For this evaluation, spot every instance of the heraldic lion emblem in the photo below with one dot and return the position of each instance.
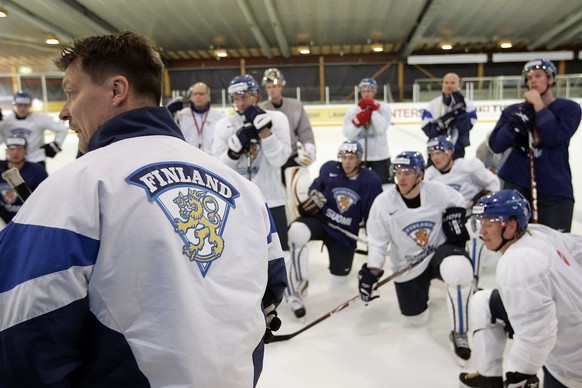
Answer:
(199, 211)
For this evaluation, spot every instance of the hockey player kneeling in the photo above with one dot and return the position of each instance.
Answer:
(340, 198)
(415, 215)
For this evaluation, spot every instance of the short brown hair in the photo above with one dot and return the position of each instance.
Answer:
(128, 54)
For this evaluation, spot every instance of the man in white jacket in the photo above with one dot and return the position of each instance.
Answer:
(538, 302)
(367, 122)
(256, 143)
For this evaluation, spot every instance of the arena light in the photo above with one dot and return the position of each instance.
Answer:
(446, 59)
(377, 47)
(304, 50)
(221, 53)
(446, 46)
(3, 12)
(51, 39)
(528, 56)
(505, 44)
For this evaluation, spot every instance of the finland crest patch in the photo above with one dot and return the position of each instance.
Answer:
(196, 202)
(419, 232)
(345, 198)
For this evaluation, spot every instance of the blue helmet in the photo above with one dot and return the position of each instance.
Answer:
(409, 159)
(368, 83)
(541, 64)
(503, 205)
(22, 98)
(350, 147)
(242, 84)
(439, 143)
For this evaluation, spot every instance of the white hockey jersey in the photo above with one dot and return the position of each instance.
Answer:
(273, 152)
(377, 144)
(467, 176)
(409, 230)
(540, 283)
(198, 128)
(130, 264)
(32, 128)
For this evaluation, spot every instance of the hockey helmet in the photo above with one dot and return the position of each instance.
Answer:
(538, 64)
(350, 147)
(16, 141)
(22, 98)
(503, 205)
(439, 143)
(368, 83)
(242, 84)
(410, 160)
(273, 75)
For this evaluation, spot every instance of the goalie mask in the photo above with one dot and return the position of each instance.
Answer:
(273, 75)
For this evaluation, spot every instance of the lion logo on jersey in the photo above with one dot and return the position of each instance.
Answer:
(419, 232)
(345, 198)
(197, 203)
(200, 212)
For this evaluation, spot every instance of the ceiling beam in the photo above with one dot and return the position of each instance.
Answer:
(565, 37)
(278, 28)
(37, 21)
(254, 27)
(89, 18)
(548, 35)
(430, 11)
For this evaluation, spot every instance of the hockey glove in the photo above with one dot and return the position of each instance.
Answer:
(362, 118)
(368, 104)
(520, 380)
(454, 226)
(241, 141)
(366, 283)
(305, 154)
(313, 204)
(446, 121)
(522, 120)
(458, 100)
(51, 149)
(257, 117)
(273, 323)
(175, 105)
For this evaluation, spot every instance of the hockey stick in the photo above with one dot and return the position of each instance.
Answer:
(347, 233)
(15, 180)
(413, 262)
(533, 184)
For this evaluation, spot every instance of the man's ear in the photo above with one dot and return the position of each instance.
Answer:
(120, 88)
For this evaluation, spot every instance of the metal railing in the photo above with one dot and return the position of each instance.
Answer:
(496, 88)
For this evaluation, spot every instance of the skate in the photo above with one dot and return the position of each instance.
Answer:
(296, 305)
(470, 380)
(460, 347)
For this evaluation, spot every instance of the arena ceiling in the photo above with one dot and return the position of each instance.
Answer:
(189, 32)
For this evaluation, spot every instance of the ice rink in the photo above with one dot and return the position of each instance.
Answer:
(366, 346)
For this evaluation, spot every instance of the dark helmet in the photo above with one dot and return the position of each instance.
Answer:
(439, 143)
(541, 64)
(503, 205)
(242, 84)
(409, 159)
(350, 147)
